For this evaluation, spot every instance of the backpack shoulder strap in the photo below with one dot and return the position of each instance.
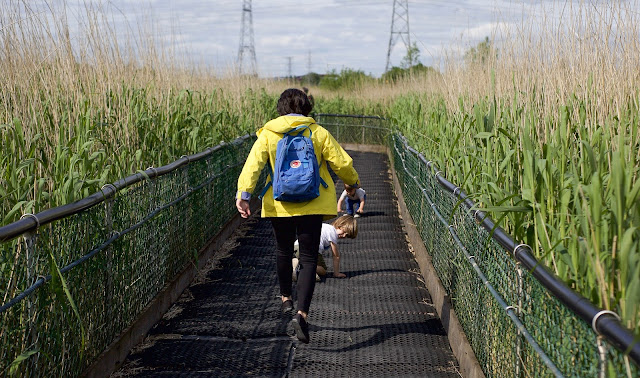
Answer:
(299, 130)
(266, 187)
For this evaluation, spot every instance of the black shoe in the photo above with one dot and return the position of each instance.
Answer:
(287, 306)
(301, 327)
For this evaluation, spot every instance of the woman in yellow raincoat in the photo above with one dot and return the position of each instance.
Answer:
(295, 220)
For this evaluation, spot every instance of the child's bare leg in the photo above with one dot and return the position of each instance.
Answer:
(321, 271)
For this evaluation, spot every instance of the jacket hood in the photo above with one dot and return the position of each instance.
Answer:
(286, 123)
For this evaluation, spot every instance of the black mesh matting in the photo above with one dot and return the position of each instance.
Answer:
(379, 321)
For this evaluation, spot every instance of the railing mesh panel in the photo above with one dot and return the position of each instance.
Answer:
(355, 129)
(157, 227)
(566, 339)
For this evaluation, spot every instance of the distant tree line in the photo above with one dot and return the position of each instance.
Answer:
(410, 65)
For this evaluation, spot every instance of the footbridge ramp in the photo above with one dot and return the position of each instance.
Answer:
(379, 321)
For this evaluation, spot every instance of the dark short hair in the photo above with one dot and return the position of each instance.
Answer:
(294, 100)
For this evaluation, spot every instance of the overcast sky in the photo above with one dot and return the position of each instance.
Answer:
(298, 36)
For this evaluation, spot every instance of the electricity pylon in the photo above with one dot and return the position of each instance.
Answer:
(246, 40)
(399, 27)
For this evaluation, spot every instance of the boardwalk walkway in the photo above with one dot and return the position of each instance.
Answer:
(378, 321)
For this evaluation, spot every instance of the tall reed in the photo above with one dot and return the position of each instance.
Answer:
(77, 111)
(544, 135)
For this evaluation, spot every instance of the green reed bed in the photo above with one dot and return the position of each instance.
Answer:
(48, 161)
(563, 184)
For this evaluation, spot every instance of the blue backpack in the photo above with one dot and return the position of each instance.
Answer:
(296, 177)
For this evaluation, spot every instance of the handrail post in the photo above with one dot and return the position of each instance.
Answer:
(188, 215)
(520, 293)
(32, 277)
(108, 289)
(602, 357)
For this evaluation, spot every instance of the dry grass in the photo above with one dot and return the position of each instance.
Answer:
(593, 48)
(42, 62)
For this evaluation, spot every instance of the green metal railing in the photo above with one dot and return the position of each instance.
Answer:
(355, 129)
(73, 278)
(520, 319)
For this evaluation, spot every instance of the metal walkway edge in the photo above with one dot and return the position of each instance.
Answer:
(379, 321)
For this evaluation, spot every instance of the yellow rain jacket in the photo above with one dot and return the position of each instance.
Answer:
(326, 149)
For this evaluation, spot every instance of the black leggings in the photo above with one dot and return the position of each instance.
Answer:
(307, 229)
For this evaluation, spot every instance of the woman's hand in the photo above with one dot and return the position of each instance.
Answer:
(243, 208)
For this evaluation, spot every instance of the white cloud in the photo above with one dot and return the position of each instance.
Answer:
(338, 33)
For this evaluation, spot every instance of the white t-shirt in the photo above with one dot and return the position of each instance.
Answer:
(359, 194)
(327, 236)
